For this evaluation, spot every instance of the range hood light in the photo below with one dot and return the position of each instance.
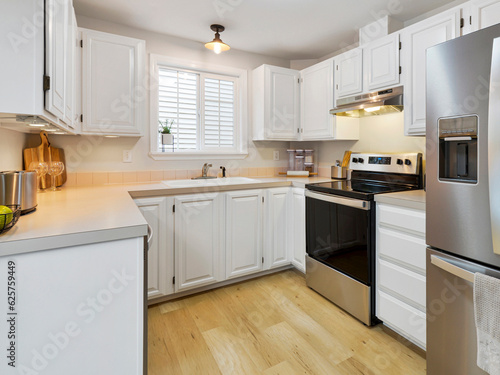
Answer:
(371, 104)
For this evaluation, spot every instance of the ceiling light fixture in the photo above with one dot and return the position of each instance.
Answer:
(217, 45)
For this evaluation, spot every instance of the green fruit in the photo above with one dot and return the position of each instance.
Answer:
(5, 216)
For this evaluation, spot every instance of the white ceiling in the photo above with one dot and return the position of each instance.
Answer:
(290, 29)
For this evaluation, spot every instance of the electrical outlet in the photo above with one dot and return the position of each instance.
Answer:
(276, 155)
(127, 156)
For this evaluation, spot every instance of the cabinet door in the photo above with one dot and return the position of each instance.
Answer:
(160, 252)
(198, 254)
(349, 73)
(112, 84)
(484, 13)
(276, 253)
(69, 109)
(56, 55)
(283, 99)
(415, 41)
(382, 62)
(243, 232)
(298, 229)
(316, 101)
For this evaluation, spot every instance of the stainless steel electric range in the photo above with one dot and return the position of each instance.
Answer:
(340, 228)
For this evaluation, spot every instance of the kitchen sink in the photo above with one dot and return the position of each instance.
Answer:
(210, 182)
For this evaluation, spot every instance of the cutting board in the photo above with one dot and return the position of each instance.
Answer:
(46, 153)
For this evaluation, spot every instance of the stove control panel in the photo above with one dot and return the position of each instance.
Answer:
(389, 163)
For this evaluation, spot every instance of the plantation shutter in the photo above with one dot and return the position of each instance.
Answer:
(219, 113)
(178, 100)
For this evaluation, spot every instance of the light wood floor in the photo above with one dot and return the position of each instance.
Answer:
(271, 325)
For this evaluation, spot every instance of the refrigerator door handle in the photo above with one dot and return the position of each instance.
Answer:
(451, 268)
(493, 149)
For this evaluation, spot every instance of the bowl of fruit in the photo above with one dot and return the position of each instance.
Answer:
(9, 214)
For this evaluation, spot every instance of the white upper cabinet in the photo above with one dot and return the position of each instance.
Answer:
(316, 101)
(481, 14)
(415, 41)
(56, 55)
(243, 232)
(275, 103)
(382, 62)
(113, 91)
(349, 73)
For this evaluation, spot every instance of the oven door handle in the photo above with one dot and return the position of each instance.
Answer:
(355, 203)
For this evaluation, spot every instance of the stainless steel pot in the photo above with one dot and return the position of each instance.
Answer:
(18, 188)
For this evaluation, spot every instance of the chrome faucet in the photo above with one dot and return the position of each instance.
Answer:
(204, 170)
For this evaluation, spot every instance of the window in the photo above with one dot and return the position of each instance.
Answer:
(207, 107)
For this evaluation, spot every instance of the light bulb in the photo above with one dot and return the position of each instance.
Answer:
(372, 109)
(217, 48)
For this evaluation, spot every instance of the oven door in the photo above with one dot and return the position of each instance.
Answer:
(338, 234)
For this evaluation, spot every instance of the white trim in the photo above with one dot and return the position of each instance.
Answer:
(240, 151)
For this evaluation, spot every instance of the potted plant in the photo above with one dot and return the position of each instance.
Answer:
(165, 127)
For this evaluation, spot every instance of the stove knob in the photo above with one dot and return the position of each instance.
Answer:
(354, 160)
(361, 160)
(399, 161)
(407, 161)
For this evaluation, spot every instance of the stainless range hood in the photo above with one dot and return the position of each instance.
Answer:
(371, 104)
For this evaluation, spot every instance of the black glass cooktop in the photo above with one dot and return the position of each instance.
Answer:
(356, 188)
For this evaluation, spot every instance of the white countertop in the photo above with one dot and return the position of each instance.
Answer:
(83, 215)
(409, 199)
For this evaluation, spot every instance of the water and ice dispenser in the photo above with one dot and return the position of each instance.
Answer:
(458, 149)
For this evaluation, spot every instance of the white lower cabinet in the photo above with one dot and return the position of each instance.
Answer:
(297, 227)
(243, 232)
(276, 252)
(199, 255)
(203, 239)
(160, 252)
(400, 284)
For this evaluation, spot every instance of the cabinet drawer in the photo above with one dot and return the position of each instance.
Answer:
(402, 247)
(404, 319)
(404, 282)
(406, 218)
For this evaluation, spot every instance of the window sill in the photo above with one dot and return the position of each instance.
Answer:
(197, 156)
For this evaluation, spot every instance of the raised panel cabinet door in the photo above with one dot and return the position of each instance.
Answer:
(160, 252)
(198, 246)
(243, 232)
(349, 73)
(113, 90)
(298, 229)
(382, 62)
(56, 55)
(415, 41)
(484, 13)
(316, 101)
(71, 73)
(282, 115)
(276, 220)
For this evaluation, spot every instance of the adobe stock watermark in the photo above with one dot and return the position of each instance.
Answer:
(29, 28)
(224, 6)
(87, 311)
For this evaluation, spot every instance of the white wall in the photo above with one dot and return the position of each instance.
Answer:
(85, 154)
(12, 144)
(377, 134)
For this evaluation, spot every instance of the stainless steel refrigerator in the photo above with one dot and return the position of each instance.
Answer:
(463, 192)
